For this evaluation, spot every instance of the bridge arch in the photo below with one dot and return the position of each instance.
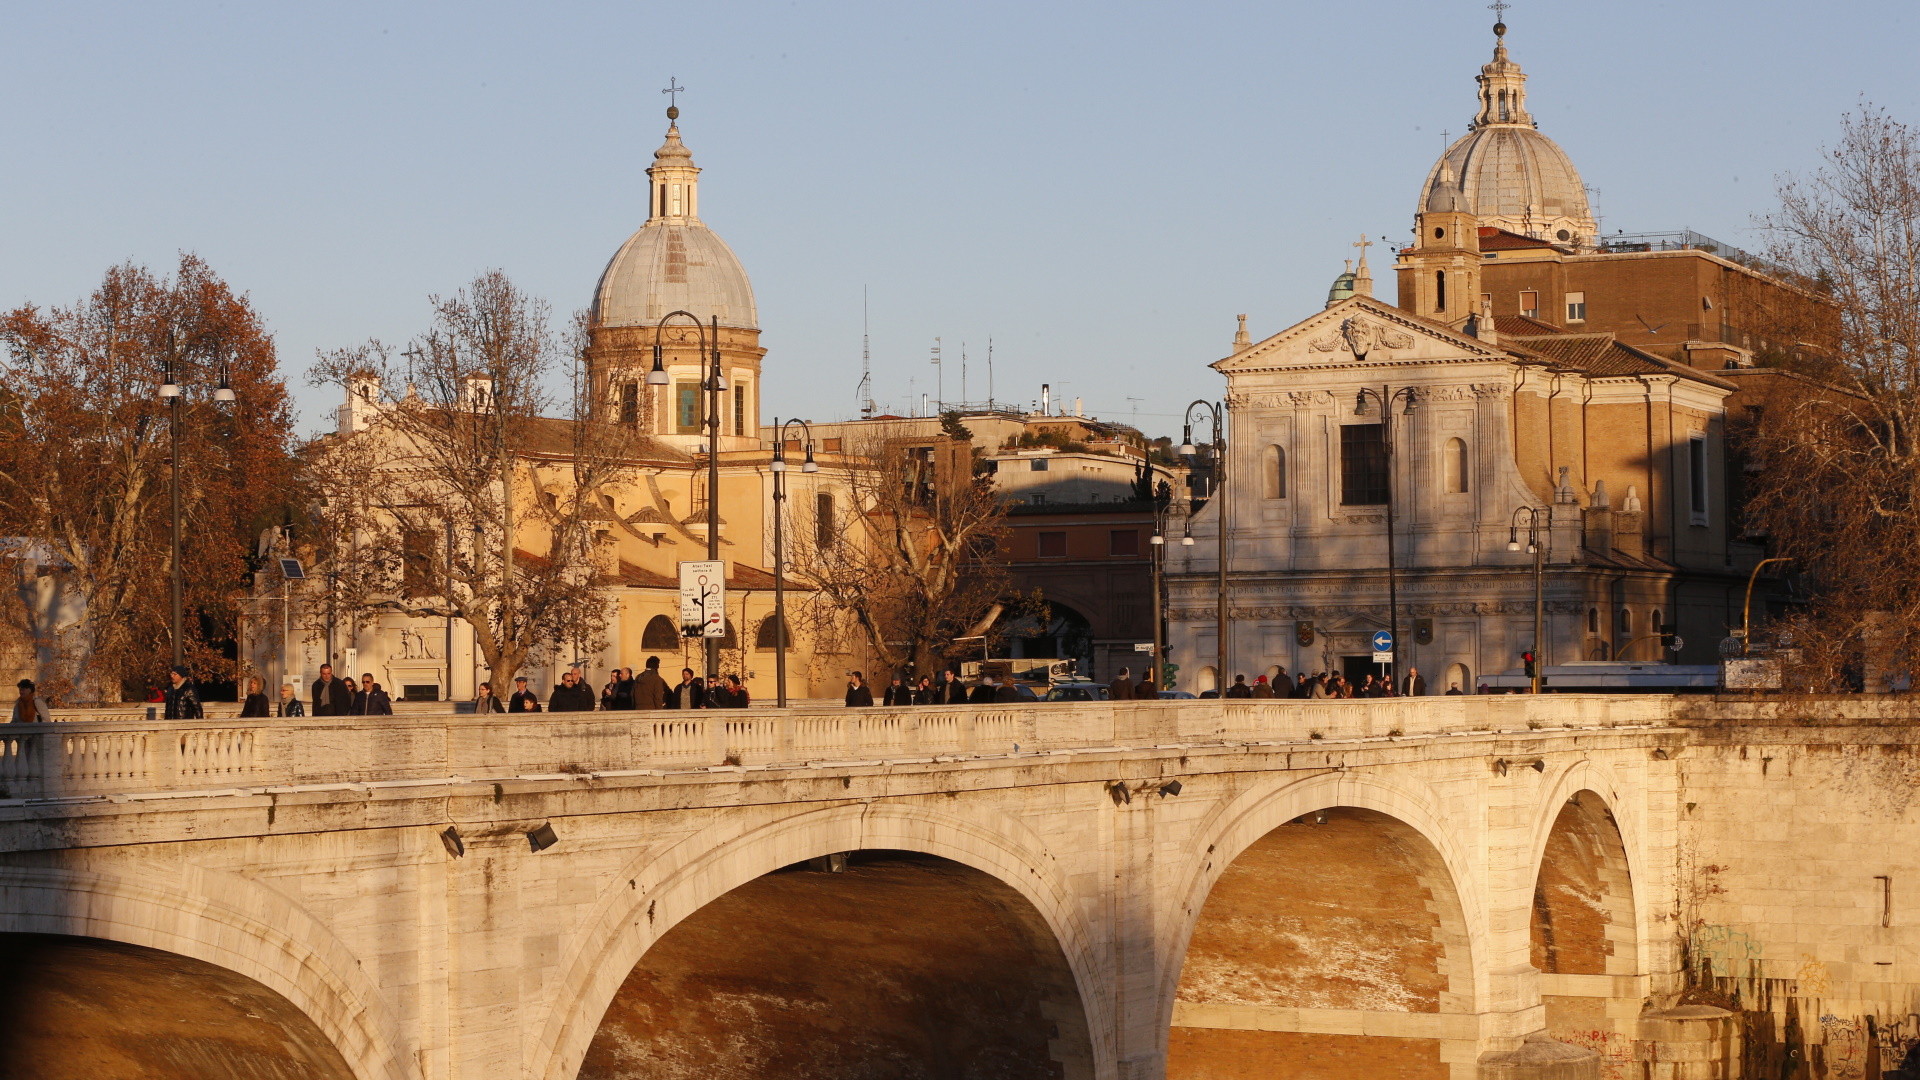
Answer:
(1598, 791)
(1405, 815)
(228, 921)
(668, 886)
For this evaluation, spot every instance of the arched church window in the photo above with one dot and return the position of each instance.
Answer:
(630, 403)
(769, 636)
(1453, 466)
(1593, 620)
(1274, 473)
(660, 634)
(1626, 621)
(1439, 290)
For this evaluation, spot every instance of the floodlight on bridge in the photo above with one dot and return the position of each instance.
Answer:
(1171, 787)
(450, 839)
(543, 837)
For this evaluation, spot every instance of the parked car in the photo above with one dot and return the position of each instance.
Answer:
(1175, 695)
(1077, 691)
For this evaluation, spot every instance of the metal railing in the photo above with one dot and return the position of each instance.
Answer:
(1682, 240)
(113, 758)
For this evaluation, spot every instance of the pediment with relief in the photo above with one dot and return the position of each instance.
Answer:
(1361, 330)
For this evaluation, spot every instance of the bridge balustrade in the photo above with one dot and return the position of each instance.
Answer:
(129, 756)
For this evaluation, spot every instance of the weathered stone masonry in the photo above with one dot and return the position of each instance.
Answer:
(1488, 872)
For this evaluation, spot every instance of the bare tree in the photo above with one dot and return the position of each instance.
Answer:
(914, 562)
(1839, 487)
(84, 467)
(459, 498)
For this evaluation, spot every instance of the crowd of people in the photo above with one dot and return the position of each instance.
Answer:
(622, 691)
(649, 690)
(1332, 684)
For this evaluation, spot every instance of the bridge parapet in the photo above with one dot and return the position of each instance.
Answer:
(114, 757)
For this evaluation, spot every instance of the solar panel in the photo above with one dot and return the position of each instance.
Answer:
(292, 570)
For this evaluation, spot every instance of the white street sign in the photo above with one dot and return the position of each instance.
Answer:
(1143, 647)
(703, 599)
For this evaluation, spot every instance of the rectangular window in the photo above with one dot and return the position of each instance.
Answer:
(630, 403)
(1053, 545)
(739, 409)
(1576, 307)
(686, 408)
(1530, 303)
(823, 520)
(1363, 465)
(416, 568)
(831, 446)
(1123, 542)
(1697, 478)
(1038, 464)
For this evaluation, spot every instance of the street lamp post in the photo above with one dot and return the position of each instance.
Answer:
(1537, 549)
(1386, 397)
(1218, 414)
(1159, 554)
(170, 392)
(715, 384)
(779, 468)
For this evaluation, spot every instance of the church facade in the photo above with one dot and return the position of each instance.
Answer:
(1404, 452)
(672, 296)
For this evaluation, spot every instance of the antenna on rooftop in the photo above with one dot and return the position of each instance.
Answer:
(939, 376)
(963, 374)
(989, 374)
(865, 393)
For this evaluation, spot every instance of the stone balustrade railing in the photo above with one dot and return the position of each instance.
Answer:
(104, 758)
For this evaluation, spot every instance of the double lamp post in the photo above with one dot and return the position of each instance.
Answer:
(171, 393)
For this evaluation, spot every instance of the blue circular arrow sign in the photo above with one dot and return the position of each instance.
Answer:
(1383, 641)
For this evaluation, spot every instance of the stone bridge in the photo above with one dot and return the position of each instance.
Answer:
(1419, 888)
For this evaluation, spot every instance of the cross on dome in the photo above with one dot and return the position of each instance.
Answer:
(673, 92)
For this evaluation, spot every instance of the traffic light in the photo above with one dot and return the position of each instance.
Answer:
(1172, 671)
(1533, 668)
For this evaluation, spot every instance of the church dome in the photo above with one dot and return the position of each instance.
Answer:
(674, 262)
(1505, 172)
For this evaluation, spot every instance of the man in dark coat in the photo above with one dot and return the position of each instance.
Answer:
(690, 694)
(1121, 688)
(858, 695)
(623, 689)
(183, 700)
(1239, 689)
(523, 699)
(571, 695)
(952, 690)
(1145, 690)
(896, 693)
(331, 697)
(1006, 693)
(650, 690)
(1413, 684)
(982, 694)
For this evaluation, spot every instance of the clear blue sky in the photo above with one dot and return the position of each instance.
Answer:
(1100, 187)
